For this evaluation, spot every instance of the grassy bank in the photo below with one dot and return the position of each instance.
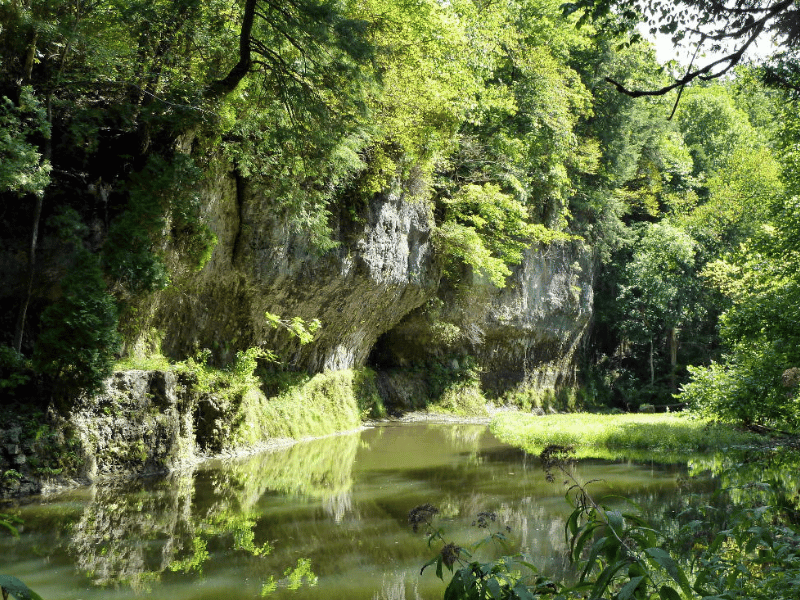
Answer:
(310, 406)
(665, 436)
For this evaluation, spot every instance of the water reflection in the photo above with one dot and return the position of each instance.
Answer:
(756, 476)
(131, 533)
(319, 469)
(330, 512)
(395, 587)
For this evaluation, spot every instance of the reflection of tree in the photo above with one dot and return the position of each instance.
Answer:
(338, 505)
(756, 476)
(537, 514)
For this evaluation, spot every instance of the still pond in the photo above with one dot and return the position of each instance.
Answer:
(325, 519)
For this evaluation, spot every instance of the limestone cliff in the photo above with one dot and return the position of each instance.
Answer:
(522, 336)
(381, 282)
(382, 268)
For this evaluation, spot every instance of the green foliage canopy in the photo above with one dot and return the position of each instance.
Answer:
(756, 382)
(23, 170)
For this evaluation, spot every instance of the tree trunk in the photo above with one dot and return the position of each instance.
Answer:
(652, 366)
(23, 309)
(30, 56)
(673, 358)
(223, 87)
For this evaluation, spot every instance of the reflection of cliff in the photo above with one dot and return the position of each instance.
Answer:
(129, 534)
(320, 469)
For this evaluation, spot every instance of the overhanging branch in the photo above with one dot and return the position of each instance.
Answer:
(748, 32)
(223, 87)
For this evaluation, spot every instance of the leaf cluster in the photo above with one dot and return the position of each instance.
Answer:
(23, 169)
(489, 231)
(471, 579)
(725, 28)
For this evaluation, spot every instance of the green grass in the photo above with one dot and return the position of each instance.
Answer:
(663, 437)
(463, 400)
(326, 403)
(154, 362)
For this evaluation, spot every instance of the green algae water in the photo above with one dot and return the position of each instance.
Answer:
(325, 519)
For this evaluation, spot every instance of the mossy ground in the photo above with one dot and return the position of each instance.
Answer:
(665, 436)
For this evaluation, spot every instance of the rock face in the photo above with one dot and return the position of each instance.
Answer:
(524, 335)
(534, 327)
(381, 270)
(381, 282)
(141, 424)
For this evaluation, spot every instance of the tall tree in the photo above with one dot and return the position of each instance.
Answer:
(657, 291)
(757, 380)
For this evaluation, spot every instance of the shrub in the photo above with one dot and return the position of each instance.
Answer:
(79, 332)
(13, 370)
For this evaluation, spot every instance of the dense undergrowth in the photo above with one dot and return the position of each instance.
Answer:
(252, 404)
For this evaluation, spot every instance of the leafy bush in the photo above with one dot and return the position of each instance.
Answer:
(23, 170)
(760, 330)
(14, 371)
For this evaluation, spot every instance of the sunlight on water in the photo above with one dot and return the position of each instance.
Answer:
(323, 519)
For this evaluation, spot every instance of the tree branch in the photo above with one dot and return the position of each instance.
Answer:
(223, 87)
(749, 32)
(704, 73)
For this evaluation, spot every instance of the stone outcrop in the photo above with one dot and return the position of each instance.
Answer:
(524, 335)
(141, 424)
(382, 268)
(148, 422)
